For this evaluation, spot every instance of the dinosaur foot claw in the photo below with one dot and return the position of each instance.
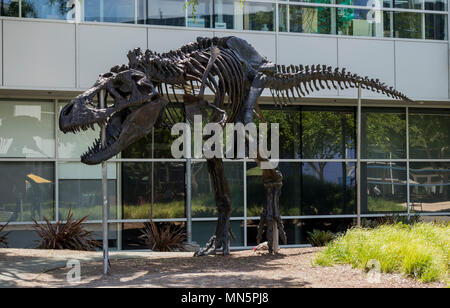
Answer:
(211, 248)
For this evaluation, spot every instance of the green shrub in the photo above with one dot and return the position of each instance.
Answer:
(318, 238)
(420, 251)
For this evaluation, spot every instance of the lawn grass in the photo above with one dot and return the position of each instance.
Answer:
(421, 251)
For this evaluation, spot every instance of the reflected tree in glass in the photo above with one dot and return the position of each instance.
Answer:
(384, 135)
(429, 134)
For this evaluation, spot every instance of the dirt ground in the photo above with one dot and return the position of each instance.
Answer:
(291, 268)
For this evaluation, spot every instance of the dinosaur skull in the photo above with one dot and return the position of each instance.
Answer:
(129, 116)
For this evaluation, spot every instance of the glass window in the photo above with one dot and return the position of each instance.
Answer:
(384, 134)
(357, 22)
(26, 191)
(10, 8)
(429, 134)
(407, 25)
(435, 27)
(430, 187)
(230, 14)
(383, 187)
(80, 190)
(202, 232)
(74, 145)
(201, 17)
(47, 9)
(22, 236)
(297, 231)
(408, 4)
(306, 19)
(368, 3)
(290, 198)
(313, 1)
(162, 12)
(328, 134)
(203, 201)
(289, 126)
(121, 11)
(436, 5)
(27, 129)
(153, 188)
(328, 188)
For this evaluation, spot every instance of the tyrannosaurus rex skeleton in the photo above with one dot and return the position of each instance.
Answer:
(146, 89)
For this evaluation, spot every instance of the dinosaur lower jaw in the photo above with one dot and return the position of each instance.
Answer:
(102, 150)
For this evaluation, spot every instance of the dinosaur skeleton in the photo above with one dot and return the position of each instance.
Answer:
(146, 91)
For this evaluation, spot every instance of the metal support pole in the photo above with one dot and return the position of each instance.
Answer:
(358, 164)
(105, 195)
(188, 156)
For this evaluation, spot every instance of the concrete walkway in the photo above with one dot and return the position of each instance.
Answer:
(18, 264)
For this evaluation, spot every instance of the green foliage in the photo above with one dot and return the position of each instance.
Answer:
(70, 235)
(421, 251)
(194, 4)
(390, 220)
(318, 238)
(166, 237)
(382, 205)
(3, 238)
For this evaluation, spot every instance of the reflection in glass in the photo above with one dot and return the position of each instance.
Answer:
(203, 202)
(162, 12)
(297, 230)
(47, 9)
(328, 188)
(435, 27)
(290, 198)
(383, 187)
(201, 17)
(120, 11)
(202, 232)
(80, 190)
(429, 134)
(436, 5)
(27, 129)
(328, 134)
(305, 19)
(10, 8)
(230, 14)
(384, 134)
(407, 25)
(156, 189)
(358, 22)
(430, 187)
(26, 191)
(408, 4)
(22, 236)
(289, 126)
(74, 145)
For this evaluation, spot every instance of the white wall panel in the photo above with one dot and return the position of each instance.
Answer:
(372, 58)
(39, 54)
(308, 51)
(102, 47)
(422, 69)
(164, 40)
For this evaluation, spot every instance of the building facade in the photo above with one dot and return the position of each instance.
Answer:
(53, 50)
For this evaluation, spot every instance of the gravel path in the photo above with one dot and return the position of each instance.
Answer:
(292, 268)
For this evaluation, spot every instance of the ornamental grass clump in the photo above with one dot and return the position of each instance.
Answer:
(167, 237)
(70, 235)
(421, 251)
